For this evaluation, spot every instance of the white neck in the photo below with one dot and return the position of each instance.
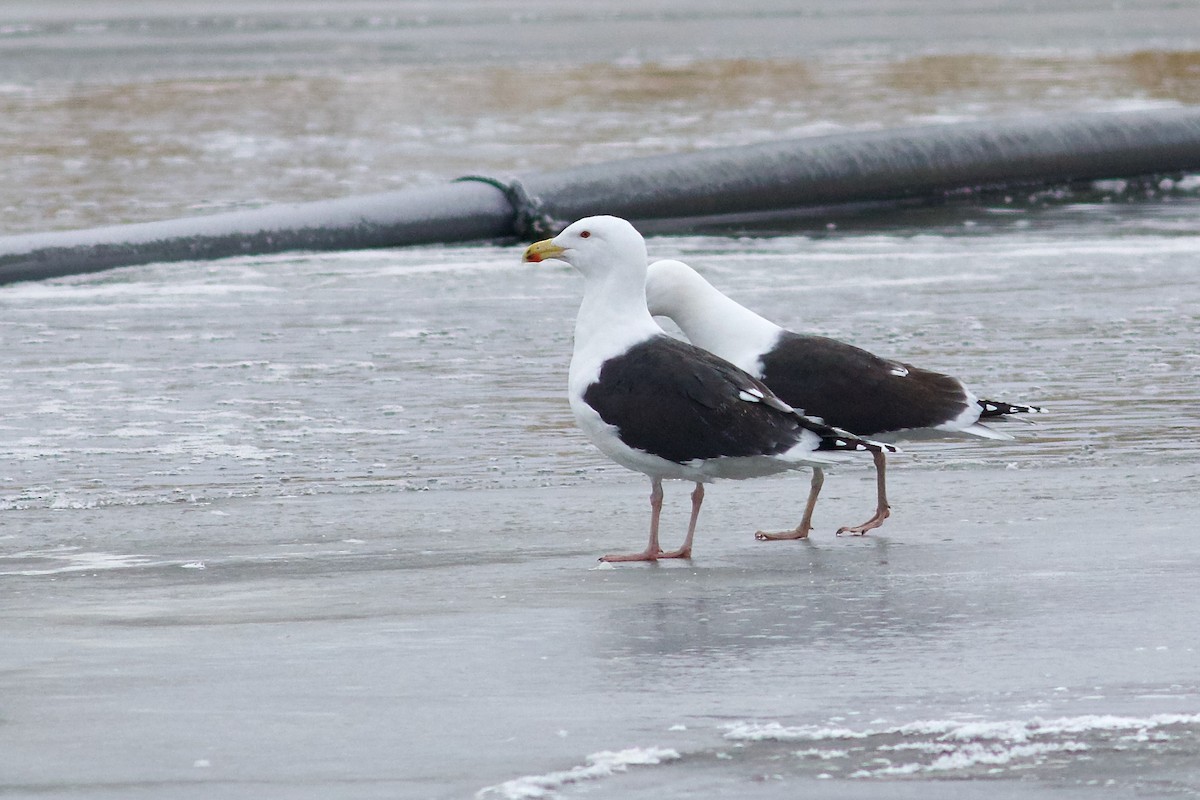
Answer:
(612, 317)
(718, 324)
(611, 304)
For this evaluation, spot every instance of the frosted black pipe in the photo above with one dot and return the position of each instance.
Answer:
(776, 179)
(458, 212)
(731, 185)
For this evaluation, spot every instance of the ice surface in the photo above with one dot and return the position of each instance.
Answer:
(234, 524)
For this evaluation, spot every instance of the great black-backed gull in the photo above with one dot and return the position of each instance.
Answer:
(838, 383)
(663, 407)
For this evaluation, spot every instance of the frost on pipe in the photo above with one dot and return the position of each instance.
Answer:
(457, 212)
(732, 185)
(770, 180)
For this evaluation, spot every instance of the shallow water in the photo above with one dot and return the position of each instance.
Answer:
(313, 525)
(142, 111)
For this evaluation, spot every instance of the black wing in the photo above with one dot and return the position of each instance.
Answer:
(681, 403)
(853, 389)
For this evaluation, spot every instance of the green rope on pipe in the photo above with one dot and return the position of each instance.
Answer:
(530, 221)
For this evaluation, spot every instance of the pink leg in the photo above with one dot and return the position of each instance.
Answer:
(686, 550)
(801, 531)
(882, 509)
(653, 551)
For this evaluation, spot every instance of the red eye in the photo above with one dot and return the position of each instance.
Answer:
(585, 234)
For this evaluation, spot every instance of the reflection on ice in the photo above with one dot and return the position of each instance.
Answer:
(64, 560)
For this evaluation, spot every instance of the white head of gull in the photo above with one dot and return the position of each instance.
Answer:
(843, 385)
(663, 407)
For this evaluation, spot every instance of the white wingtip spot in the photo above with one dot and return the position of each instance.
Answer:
(753, 396)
